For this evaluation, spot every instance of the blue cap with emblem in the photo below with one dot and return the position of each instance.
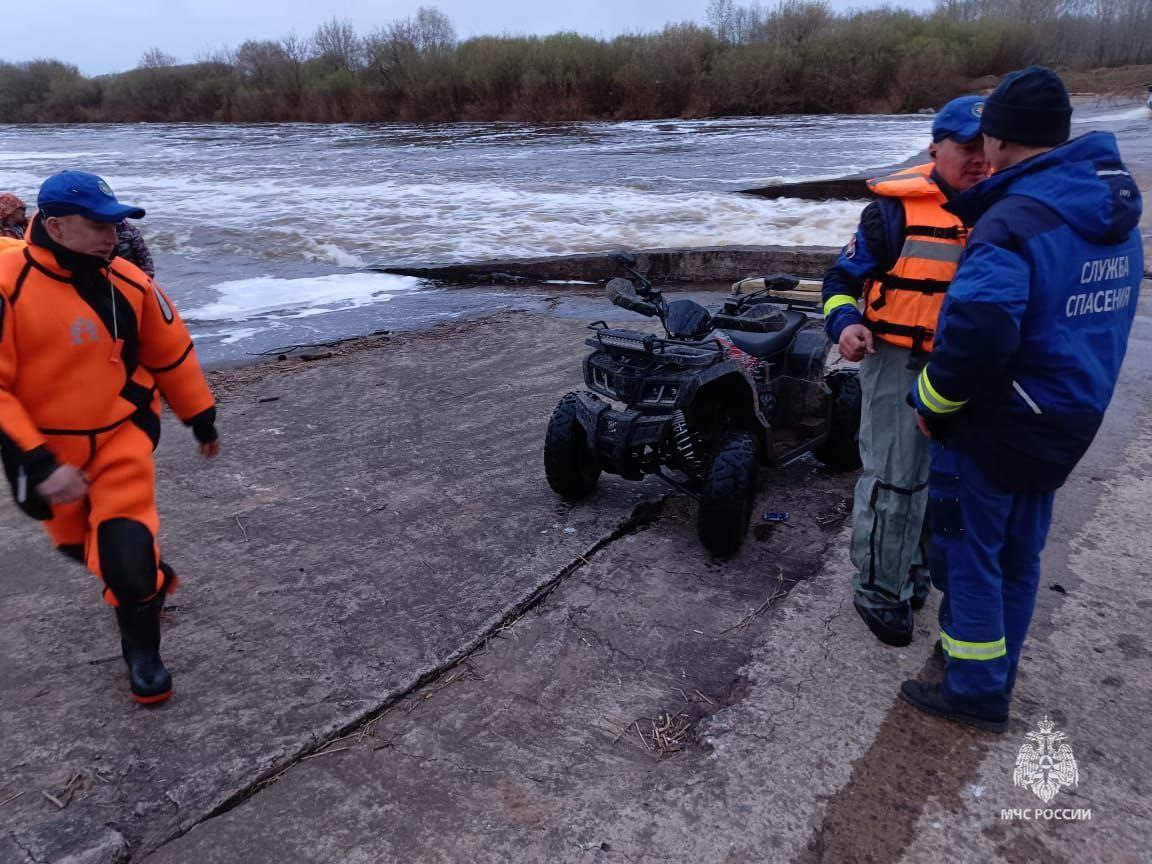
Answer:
(72, 193)
(959, 120)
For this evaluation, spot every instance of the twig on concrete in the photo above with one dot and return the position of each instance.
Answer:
(623, 731)
(324, 753)
(640, 734)
(241, 525)
(10, 799)
(53, 799)
(705, 698)
(670, 733)
(839, 512)
(776, 595)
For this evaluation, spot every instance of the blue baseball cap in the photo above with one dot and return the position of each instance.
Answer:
(71, 193)
(959, 120)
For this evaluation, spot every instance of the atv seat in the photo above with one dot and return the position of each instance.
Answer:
(765, 345)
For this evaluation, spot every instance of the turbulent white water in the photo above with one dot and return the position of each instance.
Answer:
(352, 195)
(258, 230)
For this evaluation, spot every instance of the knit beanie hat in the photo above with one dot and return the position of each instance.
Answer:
(1029, 106)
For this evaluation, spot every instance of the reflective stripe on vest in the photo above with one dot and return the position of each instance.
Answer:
(902, 306)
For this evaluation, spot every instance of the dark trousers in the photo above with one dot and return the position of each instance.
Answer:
(986, 561)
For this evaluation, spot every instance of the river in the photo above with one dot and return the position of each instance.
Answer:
(261, 233)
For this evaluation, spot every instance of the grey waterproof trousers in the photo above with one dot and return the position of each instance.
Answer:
(890, 537)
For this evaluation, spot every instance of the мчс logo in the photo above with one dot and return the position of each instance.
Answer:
(1045, 763)
(84, 330)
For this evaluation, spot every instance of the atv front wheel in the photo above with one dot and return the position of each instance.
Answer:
(841, 452)
(729, 493)
(569, 464)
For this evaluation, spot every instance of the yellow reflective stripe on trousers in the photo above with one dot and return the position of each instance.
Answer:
(935, 403)
(836, 301)
(958, 650)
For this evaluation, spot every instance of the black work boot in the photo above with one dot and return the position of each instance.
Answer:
(892, 625)
(140, 642)
(929, 699)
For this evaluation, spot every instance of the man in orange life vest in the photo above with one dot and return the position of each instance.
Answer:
(88, 346)
(881, 301)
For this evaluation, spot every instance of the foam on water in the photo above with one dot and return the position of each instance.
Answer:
(270, 298)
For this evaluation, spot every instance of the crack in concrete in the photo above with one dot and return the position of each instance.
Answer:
(606, 642)
(27, 852)
(644, 514)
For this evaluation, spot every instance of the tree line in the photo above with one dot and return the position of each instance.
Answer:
(798, 56)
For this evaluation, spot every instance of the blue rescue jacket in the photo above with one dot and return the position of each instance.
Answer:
(1036, 322)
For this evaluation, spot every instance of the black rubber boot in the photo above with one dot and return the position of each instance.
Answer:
(929, 699)
(892, 625)
(140, 642)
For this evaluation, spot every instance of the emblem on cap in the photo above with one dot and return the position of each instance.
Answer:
(104, 187)
(978, 109)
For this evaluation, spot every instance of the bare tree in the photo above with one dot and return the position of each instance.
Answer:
(720, 16)
(154, 58)
(338, 45)
(433, 31)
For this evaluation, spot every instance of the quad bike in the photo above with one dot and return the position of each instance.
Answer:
(706, 404)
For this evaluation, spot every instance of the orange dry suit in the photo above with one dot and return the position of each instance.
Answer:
(87, 348)
(901, 307)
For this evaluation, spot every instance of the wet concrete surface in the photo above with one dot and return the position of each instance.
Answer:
(392, 646)
(360, 532)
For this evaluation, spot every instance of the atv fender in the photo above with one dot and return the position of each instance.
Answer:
(732, 396)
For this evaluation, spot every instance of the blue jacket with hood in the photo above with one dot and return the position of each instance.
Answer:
(1036, 322)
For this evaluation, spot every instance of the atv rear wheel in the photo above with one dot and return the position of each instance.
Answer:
(729, 493)
(569, 464)
(841, 452)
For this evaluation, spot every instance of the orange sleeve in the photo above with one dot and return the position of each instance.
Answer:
(166, 350)
(15, 424)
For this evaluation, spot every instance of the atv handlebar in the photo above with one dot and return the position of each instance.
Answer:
(622, 293)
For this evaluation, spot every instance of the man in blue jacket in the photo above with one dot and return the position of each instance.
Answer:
(1029, 346)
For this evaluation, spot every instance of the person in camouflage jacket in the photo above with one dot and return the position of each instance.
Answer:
(130, 246)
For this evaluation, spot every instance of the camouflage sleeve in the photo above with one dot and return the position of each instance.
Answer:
(141, 257)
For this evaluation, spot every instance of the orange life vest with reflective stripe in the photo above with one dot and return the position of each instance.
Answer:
(901, 307)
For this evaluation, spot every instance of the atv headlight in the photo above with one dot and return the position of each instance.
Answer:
(660, 393)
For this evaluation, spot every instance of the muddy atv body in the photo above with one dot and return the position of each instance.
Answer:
(705, 405)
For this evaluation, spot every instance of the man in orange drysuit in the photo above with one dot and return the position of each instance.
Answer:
(88, 345)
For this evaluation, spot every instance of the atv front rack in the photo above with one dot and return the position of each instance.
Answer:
(613, 340)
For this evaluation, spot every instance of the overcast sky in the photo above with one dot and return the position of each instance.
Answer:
(111, 36)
